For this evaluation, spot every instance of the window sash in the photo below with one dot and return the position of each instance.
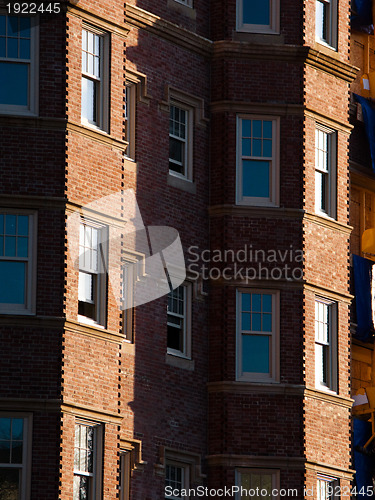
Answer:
(265, 362)
(325, 342)
(180, 140)
(24, 466)
(25, 88)
(257, 167)
(244, 23)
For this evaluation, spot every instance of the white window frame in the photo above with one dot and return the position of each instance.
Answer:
(328, 346)
(328, 172)
(33, 62)
(187, 161)
(327, 488)
(185, 352)
(99, 275)
(274, 362)
(29, 306)
(185, 476)
(330, 25)
(130, 118)
(273, 199)
(25, 467)
(96, 474)
(275, 479)
(273, 27)
(102, 104)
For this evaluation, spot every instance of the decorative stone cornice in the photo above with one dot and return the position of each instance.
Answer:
(286, 53)
(256, 212)
(119, 29)
(327, 397)
(140, 18)
(93, 331)
(328, 223)
(97, 136)
(88, 412)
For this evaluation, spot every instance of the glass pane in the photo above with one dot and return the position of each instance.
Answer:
(10, 224)
(10, 484)
(2, 47)
(246, 301)
(256, 322)
(12, 48)
(246, 321)
(88, 95)
(25, 49)
(267, 129)
(4, 453)
(257, 129)
(1, 245)
(84, 40)
(76, 458)
(256, 180)
(90, 45)
(267, 148)
(85, 287)
(267, 323)
(25, 27)
(14, 89)
(23, 225)
(2, 25)
(1, 224)
(12, 25)
(84, 61)
(17, 448)
(4, 428)
(246, 147)
(96, 67)
(267, 302)
(174, 338)
(257, 147)
(321, 21)
(17, 428)
(12, 282)
(246, 128)
(96, 44)
(90, 64)
(256, 302)
(176, 149)
(255, 353)
(10, 246)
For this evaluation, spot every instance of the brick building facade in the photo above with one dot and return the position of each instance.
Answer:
(229, 121)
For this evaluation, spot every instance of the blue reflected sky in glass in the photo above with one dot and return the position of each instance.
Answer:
(12, 26)
(255, 12)
(4, 428)
(24, 48)
(10, 224)
(2, 25)
(22, 246)
(14, 84)
(256, 321)
(267, 129)
(23, 225)
(257, 129)
(17, 428)
(12, 282)
(246, 128)
(256, 180)
(246, 301)
(25, 27)
(256, 302)
(10, 246)
(246, 321)
(2, 47)
(267, 302)
(267, 322)
(255, 354)
(12, 48)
